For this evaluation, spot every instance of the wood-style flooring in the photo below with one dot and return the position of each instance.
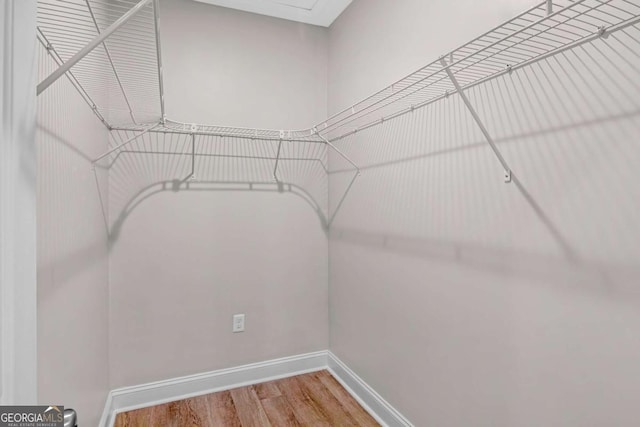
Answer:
(314, 399)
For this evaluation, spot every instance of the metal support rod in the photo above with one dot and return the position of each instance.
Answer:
(193, 159)
(72, 79)
(275, 169)
(334, 148)
(342, 199)
(156, 20)
(549, 7)
(113, 67)
(475, 116)
(89, 47)
(128, 141)
(509, 176)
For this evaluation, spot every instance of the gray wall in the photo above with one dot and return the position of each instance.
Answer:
(182, 262)
(73, 294)
(461, 299)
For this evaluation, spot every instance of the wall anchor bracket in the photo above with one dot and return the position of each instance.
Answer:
(602, 32)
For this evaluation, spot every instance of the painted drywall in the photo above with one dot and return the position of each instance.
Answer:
(184, 260)
(73, 352)
(235, 68)
(463, 300)
(17, 204)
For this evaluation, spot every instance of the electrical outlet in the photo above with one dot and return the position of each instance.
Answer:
(238, 323)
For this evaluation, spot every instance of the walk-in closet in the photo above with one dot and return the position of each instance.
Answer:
(321, 212)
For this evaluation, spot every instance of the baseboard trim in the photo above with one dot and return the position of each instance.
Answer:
(108, 416)
(370, 400)
(156, 393)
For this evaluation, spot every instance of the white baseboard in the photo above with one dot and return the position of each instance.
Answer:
(108, 414)
(366, 396)
(156, 393)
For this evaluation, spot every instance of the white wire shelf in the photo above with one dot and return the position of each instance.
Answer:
(172, 126)
(110, 52)
(128, 64)
(544, 30)
(121, 78)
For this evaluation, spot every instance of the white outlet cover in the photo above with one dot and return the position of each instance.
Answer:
(238, 323)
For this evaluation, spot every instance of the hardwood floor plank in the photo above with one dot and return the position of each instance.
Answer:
(362, 417)
(311, 400)
(175, 414)
(217, 409)
(303, 406)
(279, 412)
(248, 408)
(267, 390)
(325, 401)
(139, 418)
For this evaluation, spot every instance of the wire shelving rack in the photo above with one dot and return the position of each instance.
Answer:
(116, 45)
(546, 29)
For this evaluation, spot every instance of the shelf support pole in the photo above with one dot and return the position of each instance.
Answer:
(193, 156)
(192, 175)
(275, 168)
(90, 46)
(476, 118)
(340, 153)
(353, 180)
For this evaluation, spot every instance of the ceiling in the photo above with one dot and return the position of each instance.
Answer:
(315, 12)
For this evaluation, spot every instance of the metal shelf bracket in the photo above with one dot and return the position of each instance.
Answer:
(275, 169)
(127, 142)
(478, 121)
(334, 148)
